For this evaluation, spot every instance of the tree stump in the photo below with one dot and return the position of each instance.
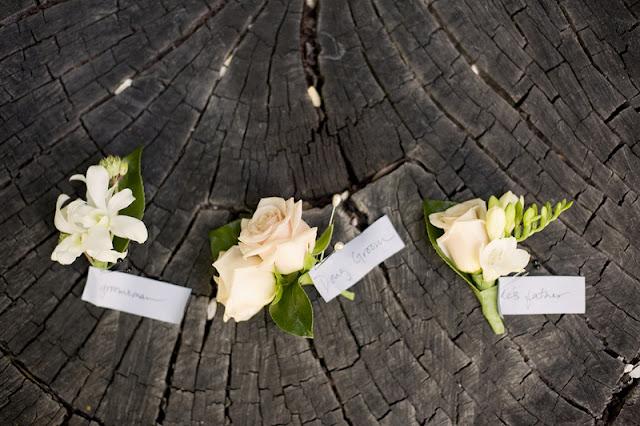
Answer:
(441, 99)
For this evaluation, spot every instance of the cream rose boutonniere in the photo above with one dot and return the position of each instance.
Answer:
(480, 242)
(264, 260)
(101, 226)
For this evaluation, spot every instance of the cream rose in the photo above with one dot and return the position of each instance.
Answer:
(469, 210)
(245, 284)
(463, 242)
(277, 234)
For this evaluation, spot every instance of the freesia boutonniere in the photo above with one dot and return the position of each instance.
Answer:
(479, 241)
(101, 226)
(265, 260)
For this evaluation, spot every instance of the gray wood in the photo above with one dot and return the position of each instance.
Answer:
(551, 112)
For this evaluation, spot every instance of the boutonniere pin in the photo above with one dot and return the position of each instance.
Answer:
(101, 226)
(479, 241)
(265, 260)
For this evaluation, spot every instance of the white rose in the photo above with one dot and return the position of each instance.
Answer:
(501, 257)
(462, 243)
(277, 234)
(245, 284)
(469, 210)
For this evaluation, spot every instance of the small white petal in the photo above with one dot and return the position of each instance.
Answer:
(120, 200)
(98, 238)
(97, 186)
(60, 220)
(68, 250)
(339, 246)
(635, 373)
(81, 178)
(212, 308)
(110, 256)
(129, 227)
(628, 368)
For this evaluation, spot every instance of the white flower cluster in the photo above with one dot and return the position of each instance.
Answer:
(89, 226)
(478, 240)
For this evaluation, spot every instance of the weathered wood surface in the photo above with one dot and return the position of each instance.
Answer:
(445, 99)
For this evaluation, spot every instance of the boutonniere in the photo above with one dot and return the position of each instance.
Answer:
(265, 260)
(101, 226)
(479, 241)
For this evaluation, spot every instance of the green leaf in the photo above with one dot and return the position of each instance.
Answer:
(309, 262)
(223, 238)
(349, 295)
(488, 298)
(293, 312)
(323, 242)
(133, 181)
(305, 279)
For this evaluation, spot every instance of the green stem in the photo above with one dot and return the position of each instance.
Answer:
(487, 294)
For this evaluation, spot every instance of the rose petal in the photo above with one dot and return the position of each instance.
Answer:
(462, 244)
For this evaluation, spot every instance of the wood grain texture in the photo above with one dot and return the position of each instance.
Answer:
(444, 99)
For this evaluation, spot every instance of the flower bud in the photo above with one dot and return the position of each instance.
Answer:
(338, 246)
(510, 212)
(493, 201)
(508, 198)
(336, 200)
(495, 222)
(115, 166)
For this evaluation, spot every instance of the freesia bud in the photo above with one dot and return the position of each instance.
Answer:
(495, 222)
(493, 201)
(508, 198)
(510, 212)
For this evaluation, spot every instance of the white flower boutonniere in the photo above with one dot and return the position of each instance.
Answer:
(481, 244)
(101, 226)
(265, 260)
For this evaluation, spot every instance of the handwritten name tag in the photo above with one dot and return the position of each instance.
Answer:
(136, 295)
(541, 295)
(359, 256)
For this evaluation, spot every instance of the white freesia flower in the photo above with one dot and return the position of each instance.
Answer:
(277, 234)
(91, 224)
(462, 243)
(496, 222)
(501, 257)
(245, 284)
(468, 210)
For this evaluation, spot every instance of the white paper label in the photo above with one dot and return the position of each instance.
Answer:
(359, 256)
(541, 295)
(136, 295)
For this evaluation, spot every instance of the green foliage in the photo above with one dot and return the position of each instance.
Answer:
(133, 181)
(535, 219)
(291, 309)
(223, 238)
(323, 242)
(488, 297)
